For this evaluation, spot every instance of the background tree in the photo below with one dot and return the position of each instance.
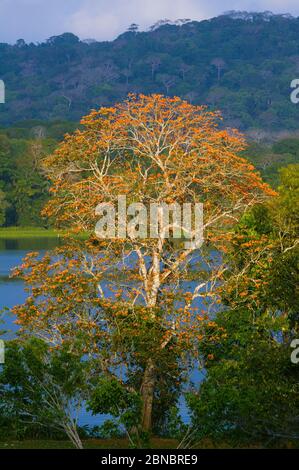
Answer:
(43, 388)
(250, 394)
(154, 62)
(219, 64)
(133, 28)
(3, 207)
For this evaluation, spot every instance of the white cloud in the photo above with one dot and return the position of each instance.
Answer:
(104, 20)
(35, 20)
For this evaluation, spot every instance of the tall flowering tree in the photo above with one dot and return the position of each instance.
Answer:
(140, 300)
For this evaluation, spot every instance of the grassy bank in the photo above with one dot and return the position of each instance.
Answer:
(33, 232)
(28, 232)
(156, 443)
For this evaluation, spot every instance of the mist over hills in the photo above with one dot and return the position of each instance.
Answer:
(241, 63)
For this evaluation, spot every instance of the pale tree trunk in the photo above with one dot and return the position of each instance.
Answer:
(147, 394)
(152, 285)
(149, 375)
(72, 433)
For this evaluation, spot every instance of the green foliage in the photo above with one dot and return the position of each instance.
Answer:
(3, 207)
(266, 244)
(40, 388)
(289, 146)
(176, 428)
(140, 339)
(108, 430)
(251, 389)
(269, 159)
(289, 199)
(23, 186)
(110, 396)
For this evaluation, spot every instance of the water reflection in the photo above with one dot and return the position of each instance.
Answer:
(12, 252)
(29, 244)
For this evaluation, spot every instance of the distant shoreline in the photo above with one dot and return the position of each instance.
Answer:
(28, 232)
(19, 233)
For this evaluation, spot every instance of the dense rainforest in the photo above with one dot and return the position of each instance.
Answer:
(241, 63)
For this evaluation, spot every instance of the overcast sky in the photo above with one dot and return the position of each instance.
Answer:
(36, 20)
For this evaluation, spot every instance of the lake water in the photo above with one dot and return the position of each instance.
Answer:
(11, 290)
(12, 293)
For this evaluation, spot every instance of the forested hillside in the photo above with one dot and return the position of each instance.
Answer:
(239, 62)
